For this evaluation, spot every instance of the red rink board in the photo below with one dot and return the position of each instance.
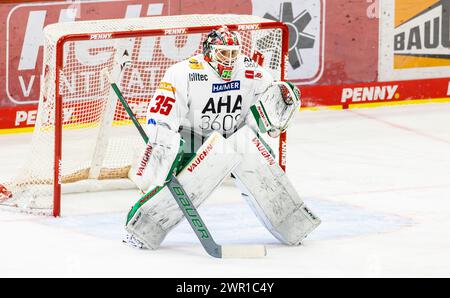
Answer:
(360, 93)
(348, 49)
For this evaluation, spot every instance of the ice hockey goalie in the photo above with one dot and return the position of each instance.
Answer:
(219, 98)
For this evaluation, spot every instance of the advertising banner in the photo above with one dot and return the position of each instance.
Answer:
(23, 39)
(341, 52)
(414, 39)
(344, 96)
(306, 22)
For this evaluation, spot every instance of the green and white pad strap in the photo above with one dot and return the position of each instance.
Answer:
(276, 106)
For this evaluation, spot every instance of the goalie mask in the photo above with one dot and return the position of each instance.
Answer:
(221, 49)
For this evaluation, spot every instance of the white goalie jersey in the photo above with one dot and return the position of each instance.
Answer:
(192, 95)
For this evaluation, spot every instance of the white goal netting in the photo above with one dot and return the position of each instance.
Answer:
(83, 139)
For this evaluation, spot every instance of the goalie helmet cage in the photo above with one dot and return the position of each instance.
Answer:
(83, 140)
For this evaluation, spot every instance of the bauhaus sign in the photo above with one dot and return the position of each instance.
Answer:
(422, 34)
(414, 39)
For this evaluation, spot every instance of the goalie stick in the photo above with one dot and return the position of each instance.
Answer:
(190, 212)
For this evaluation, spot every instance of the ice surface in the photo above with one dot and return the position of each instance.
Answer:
(379, 179)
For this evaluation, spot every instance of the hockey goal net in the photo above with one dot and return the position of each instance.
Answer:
(83, 139)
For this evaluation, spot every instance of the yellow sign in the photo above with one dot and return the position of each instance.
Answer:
(422, 34)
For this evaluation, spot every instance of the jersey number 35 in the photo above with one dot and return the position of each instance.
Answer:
(163, 105)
